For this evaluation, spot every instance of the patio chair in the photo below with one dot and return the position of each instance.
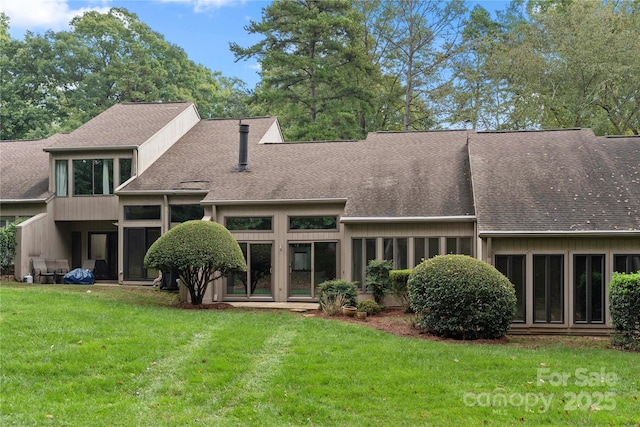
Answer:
(62, 268)
(41, 270)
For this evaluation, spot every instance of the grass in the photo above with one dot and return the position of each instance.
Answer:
(93, 356)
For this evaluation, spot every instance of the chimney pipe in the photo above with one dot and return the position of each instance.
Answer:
(244, 148)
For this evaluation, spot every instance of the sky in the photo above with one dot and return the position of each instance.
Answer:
(203, 28)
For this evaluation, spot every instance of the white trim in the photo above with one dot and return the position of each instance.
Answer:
(271, 201)
(363, 219)
(522, 233)
(157, 192)
(91, 149)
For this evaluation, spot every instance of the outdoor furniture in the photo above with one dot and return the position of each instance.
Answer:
(61, 268)
(40, 270)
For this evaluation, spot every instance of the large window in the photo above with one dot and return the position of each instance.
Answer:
(459, 245)
(548, 288)
(313, 222)
(62, 178)
(92, 177)
(256, 281)
(627, 263)
(137, 242)
(362, 251)
(249, 223)
(588, 285)
(425, 248)
(396, 251)
(309, 265)
(513, 268)
(125, 169)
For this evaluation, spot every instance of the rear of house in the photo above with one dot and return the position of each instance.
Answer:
(556, 211)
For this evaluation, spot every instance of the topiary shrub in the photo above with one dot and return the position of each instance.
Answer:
(624, 305)
(378, 279)
(399, 279)
(460, 297)
(369, 306)
(333, 294)
(200, 252)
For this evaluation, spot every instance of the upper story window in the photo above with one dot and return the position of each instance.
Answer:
(125, 169)
(62, 178)
(329, 222)
(249, 223)
(92, 177)
(182, 213)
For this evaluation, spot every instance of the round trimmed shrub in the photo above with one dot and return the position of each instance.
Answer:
(369, 306)
(460, 297)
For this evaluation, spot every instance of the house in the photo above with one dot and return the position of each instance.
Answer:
(557, 211)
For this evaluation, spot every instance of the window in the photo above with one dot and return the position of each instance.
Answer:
(137, 242)
(548, 288)
(256, 281)
(628, 263)
(588, 284)
(459, 245)
(182, 213)
(249, 223)
(513, 268)
(136, 213)
(92, 177)
(125, 170)
(396, 250)
(425, 248)
(313, 223)
(362, 251)
(62, 178)
(309, 265)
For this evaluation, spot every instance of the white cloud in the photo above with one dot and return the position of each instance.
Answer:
(204, 5)
(44, 14)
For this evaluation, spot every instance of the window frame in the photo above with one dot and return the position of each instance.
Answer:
(319, 217)
(509, 274)
(249, 230)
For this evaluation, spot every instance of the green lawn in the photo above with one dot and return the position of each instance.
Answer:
(95, 356)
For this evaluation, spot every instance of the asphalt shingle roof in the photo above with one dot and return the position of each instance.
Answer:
(126, 124)
(387, 175)
(564, 180)
(24, 169)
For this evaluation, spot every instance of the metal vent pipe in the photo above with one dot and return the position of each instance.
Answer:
(243, 164)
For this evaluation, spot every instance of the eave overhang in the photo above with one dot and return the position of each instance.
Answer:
(407, 219)
(568, 233)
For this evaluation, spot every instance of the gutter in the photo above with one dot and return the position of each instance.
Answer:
(91, 149)
(585, 233)
(273, 201)
(158, 192)
(370, 219)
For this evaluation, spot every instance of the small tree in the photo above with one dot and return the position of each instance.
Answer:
(200, 252)
(378, 281)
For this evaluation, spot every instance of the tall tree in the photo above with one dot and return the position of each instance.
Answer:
(574, 64)
(313, 69)
(421, 36)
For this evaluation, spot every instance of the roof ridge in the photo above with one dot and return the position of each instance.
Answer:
(530, 130)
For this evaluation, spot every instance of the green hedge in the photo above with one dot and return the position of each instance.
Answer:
(460, 297)
(333, 294)
(624, 305)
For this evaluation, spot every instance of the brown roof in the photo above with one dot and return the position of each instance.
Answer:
(125, 124)
(561, 181)
(24, 169)
(387, 175)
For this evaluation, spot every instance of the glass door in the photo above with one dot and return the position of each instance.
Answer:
(309, 265)
(257, 280)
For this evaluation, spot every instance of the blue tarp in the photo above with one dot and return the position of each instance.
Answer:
(78, 277)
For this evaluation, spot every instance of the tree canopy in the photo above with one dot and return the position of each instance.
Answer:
(339, 69)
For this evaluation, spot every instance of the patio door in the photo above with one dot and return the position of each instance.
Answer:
(256, 282)
(309, 265)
